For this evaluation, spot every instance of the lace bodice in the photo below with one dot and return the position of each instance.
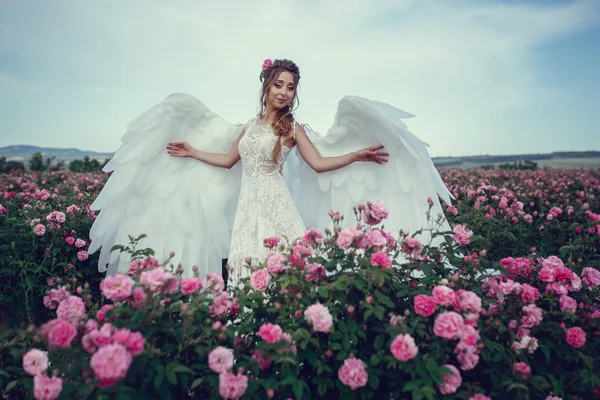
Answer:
(256, 150)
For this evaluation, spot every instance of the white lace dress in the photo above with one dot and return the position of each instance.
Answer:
(265, 207)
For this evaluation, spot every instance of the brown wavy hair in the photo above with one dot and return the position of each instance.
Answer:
(284, 120)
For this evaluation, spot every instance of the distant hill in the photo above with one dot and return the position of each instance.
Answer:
(564, 159)
(24, 153)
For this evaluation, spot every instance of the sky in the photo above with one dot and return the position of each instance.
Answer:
(481, 76)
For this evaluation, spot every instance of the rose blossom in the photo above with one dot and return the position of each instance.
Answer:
(275, 262)
(411, 246)
(117, 287)
(220, 359)
(448, 325)
(60, 333)
(271, 242)
(46, 388)
(443, 295)
(480, 397)
(101, 314)
(111, 362)
(451, 381)
(221, 305)
(376, 239)
(190, 285)
(462, 235)
(403, 347)
(314, 272)
(576, 337)
(552, 262)
(567, 303)
(82, 255)
(260, 280)
(374, 212)
(591, 277)
(469, 302)
(319, 317)
(346, 237)
(71, 309)
(70, 240)
(353, 373)
(312, 237)
(79, 243)
(53, 299)
(103, 336)
(424, 305)
(466, 355)
(270, 333)
(529, 293)
(39, 230)
(533, 316)
(35, 362)
(524, 369)
(155, 279)
(381, 259)
(232, 386)
(214, 282)
(133, 341)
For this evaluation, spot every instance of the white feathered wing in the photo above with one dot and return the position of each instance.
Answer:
(404, 184)
(184, 206)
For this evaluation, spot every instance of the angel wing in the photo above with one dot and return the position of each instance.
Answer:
(404, 184)
(183, 206)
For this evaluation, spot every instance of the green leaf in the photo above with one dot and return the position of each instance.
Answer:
(197, 383)
(374, 360)
(183, 369)
(374, 381)
(322, 389)
(171, 377)
(379, 342)
(412, 385)
(10, 386)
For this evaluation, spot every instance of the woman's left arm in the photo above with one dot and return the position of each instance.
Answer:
(325, 164)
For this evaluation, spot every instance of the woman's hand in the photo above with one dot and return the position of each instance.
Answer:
(180, 149)
(372, 154)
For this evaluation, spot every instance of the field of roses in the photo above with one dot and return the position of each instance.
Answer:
(508, 306)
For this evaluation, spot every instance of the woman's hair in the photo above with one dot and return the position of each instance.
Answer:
(284, 120)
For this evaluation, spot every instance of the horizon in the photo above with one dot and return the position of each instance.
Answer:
(482, 76)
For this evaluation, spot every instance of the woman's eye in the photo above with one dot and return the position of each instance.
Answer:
(278, 86)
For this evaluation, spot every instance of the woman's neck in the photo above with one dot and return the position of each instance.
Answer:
(268, 117)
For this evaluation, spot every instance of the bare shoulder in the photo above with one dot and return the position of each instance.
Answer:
(299, 128)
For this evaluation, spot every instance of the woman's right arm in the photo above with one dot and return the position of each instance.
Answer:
(223, 160)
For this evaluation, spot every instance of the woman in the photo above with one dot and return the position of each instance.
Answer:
(198, 213)
(266, 208)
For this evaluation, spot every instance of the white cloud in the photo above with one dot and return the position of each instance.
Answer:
(452, 63)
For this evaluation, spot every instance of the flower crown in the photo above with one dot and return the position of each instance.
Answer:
(268, 63)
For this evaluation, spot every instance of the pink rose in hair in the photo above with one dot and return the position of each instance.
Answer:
(35, 362)
(268, 63)
(220, 359)
(232, 386)
(403, 347)
(260, 280)
(353, 373)
(451, 381)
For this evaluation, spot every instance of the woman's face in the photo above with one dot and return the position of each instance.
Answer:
(282, 90)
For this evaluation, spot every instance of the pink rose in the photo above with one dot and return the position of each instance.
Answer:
(449, 325)
(480, 397)
(591, 277)
(261, 358)
(469, 302)
(553, 262)
(35, 362)
(270, 333)
(374, 212)
(563, 274)
(403, 347)
(79, 243)
(424, 305)
(271, 242)
(190, 285)
(82, 255)
(111, 362)
(547, 274)
(524, 369)
(133, 341)
(346, 237)
(462, 235)
(275, 262)
(353, 373)
(576, 337)
(220, 359)
(46, 388)
(314, 272)
(469, 335)
(71, 309)
(381, 259)
(55, 296)
(88, 345)
(529, 294)
(214, 282)
(61, 217)
(101, 314)
(376, 239)
(568, 303)
(312, 237)
(103, 336)
(533, 316)
(411, 246)
(268, 63)
(319, 317)
(443, 295)
(155, 279)
(117, 288)
(39, 230)
(260, 280)
(490, 287)
(61, 333)
(221, 305)
(466, 355)
(139, 298)
(451, 381)
(232, 386)
(70, 240)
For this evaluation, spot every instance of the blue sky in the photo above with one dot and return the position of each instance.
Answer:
(482, 77)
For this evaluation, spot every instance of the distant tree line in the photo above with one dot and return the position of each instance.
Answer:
(526, 165)
(40, 162)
